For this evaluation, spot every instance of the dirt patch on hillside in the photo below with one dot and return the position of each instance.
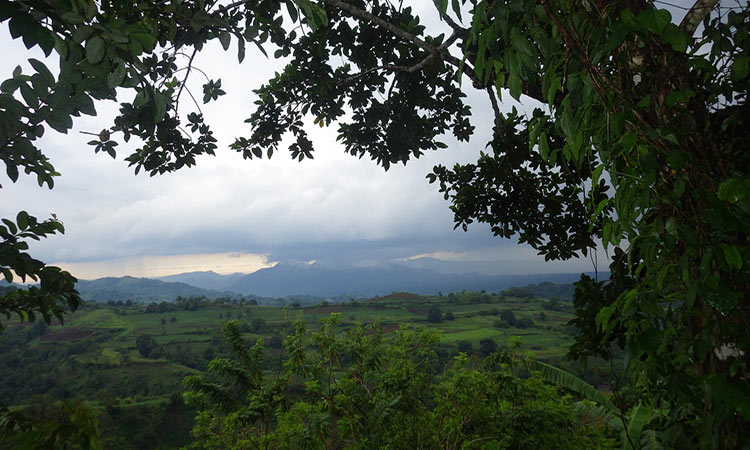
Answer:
(389, 327)
(418, 311)
(65, 335)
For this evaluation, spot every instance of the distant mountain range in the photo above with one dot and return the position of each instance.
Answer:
(289, 279)
(205, 280)
(297, 279)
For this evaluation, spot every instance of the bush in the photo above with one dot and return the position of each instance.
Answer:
(487, 346)
(465, 346)
(434, 315)
(524, 323)
(509, 317)
(145, 344)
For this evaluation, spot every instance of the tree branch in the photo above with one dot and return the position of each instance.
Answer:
(495, 107)
(697, 13)
(356, 12)
(463, 32)
(184, 81)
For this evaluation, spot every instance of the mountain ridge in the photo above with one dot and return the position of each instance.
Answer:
(319, 280)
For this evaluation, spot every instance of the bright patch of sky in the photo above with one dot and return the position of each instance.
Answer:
(335, 209)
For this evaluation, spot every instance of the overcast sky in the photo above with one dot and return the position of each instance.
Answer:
(231, 215)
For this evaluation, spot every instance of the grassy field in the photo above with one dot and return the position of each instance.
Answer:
(94, 355)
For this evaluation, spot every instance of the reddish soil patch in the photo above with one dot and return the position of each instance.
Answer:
(418, 311)
(400, 296)
(389, 327)
(324, 309)
(66, 334)
(558, 319)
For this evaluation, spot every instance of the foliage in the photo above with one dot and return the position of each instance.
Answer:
(434, 315)
(145, 344)
(636, 139)
(55, 291)
(487, 346)
(366, 389)
(594, 404)
(508, 316)
(77, 430)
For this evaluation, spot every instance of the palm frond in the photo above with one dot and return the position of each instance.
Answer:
(568, 381)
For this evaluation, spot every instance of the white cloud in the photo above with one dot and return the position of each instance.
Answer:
(335, 206)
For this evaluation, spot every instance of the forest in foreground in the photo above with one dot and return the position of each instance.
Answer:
(619, 124)
(130, 361)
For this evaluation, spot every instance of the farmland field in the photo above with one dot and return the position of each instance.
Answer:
(95, 355)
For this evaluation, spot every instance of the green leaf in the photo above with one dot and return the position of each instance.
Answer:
(655, 19)
(95, 49)
(597, 173)
(292, 10)
(681, 96)
(59, 121)
(240, 50)
(600, 207)
(571, 382)
(42, 69)
(29, 96)
(115, 77)
(11, 226)
(676, 159)
(741, 67)
(225, 39)
(734, 189)
(543, 146)
(523, 45)
(675, 37)
(732, 256)
(457, 9)
(638, 417)
(22, 219)
(160, 103)
(145, 40)
(442, 6)
(515, 85)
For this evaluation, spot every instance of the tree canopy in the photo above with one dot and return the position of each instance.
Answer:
(635, 137)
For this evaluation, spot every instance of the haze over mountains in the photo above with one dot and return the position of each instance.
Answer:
(295, 278)
(288, 279)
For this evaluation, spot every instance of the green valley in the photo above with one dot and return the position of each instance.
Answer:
(96, 355)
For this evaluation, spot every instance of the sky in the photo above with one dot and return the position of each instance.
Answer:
(232, 215)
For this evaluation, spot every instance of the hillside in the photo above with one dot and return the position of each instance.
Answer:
(286, 279)
(140, 290)
(204, 279)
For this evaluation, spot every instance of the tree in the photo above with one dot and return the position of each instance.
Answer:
(487, 346)
(365, 388)
(145, 344)
(509, 317)
(434, 315)
(636, 138)
(465, 346)
(257, 325)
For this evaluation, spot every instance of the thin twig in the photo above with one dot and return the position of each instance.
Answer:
(184, 80)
